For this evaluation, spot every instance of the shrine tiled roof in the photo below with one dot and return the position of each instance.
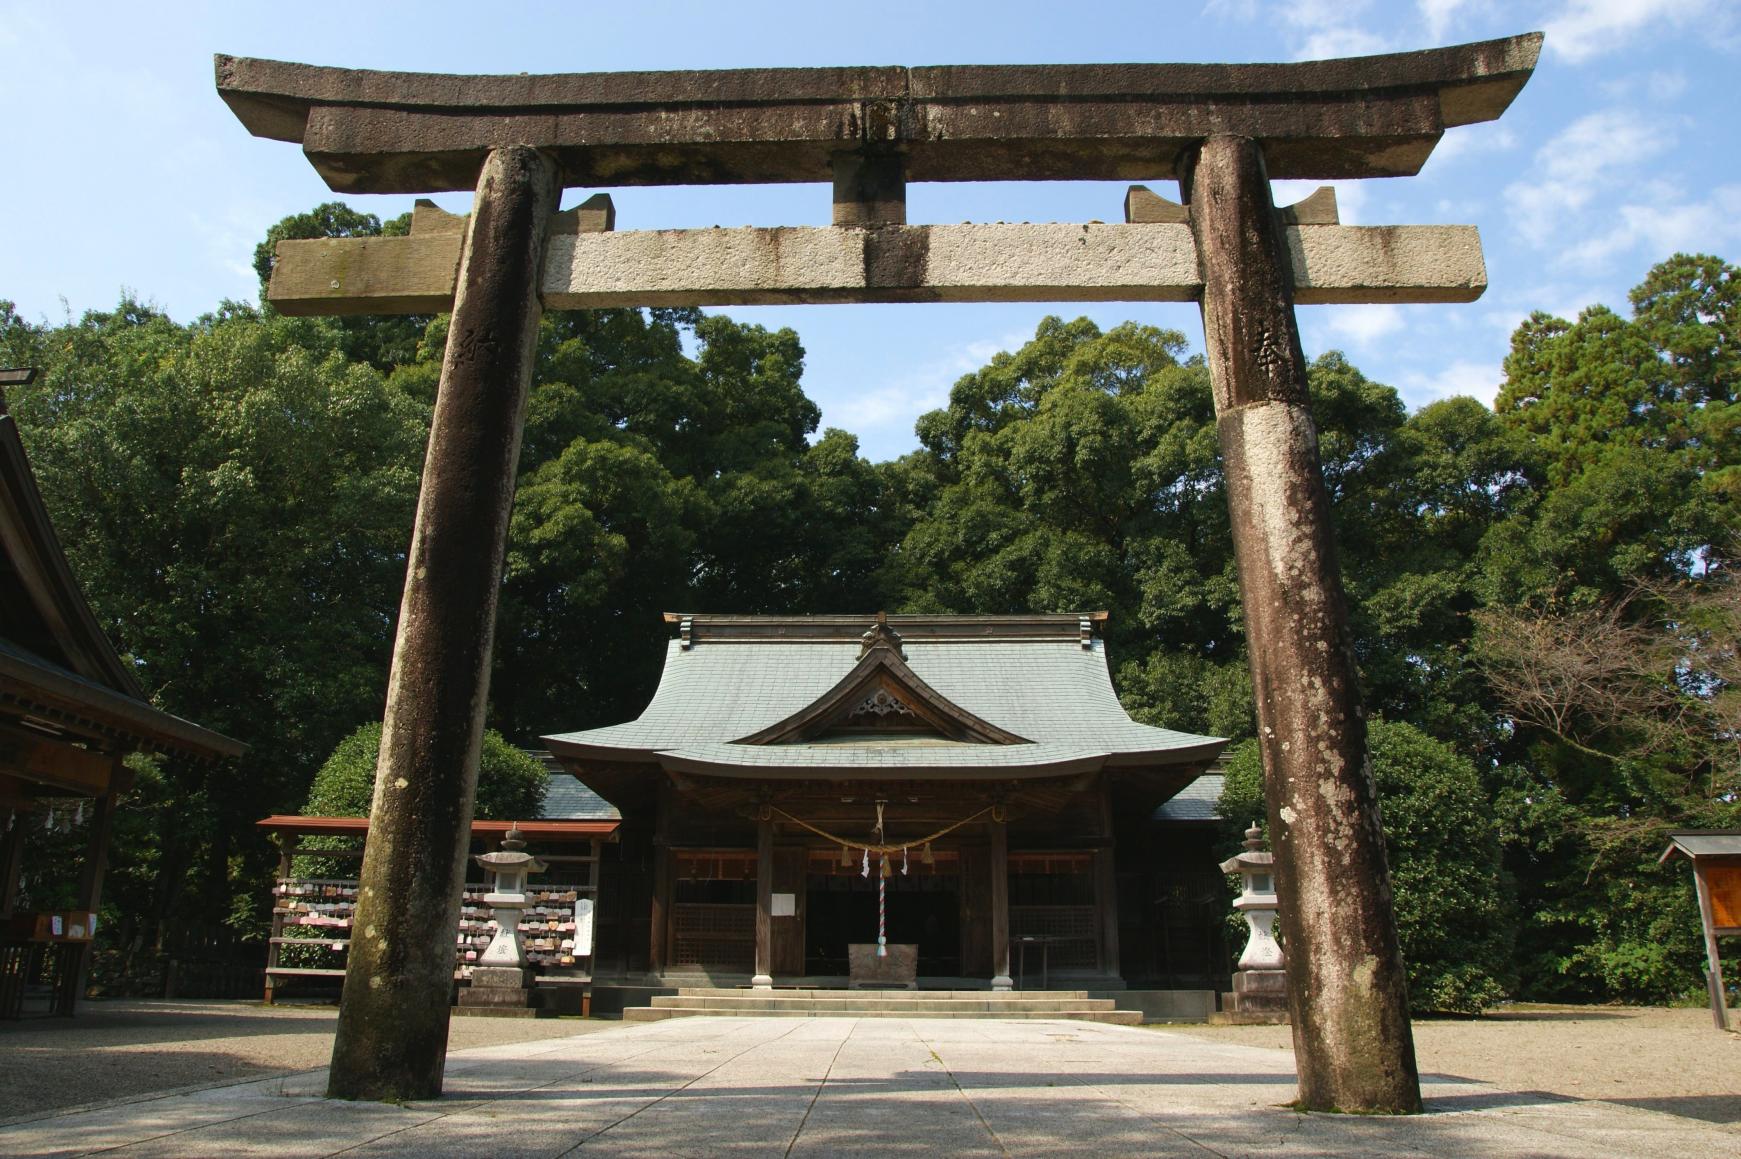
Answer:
(1043, 679)
(566, 799)
(1197, 802)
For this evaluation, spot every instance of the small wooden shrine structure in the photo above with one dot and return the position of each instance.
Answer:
(972, 774)
(1716, 858)
(70, 713)
(315, 899)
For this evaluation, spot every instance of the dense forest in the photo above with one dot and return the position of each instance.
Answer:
(1542, 590)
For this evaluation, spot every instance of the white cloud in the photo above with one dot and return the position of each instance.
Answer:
(1557, 299)
(1472, 141)
(1666, 85)
(883, 408)
(1660, 85)
(1364, 325)
(1589, 28)
(1582, 161)
(1343, 40)
(1480, 380)
(1662, 227)
(888, 406)
(1317, 29)
(1439, 15)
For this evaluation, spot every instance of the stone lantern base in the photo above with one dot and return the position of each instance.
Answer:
(501, 992)
(1257, 997)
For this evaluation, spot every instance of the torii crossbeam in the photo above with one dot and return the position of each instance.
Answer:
(1223, 131)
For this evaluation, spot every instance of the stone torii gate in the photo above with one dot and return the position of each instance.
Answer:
(1223, 131)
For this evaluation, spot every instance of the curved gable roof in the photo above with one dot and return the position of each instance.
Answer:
(1042, 679)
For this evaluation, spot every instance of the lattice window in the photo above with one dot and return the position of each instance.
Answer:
(714, 937)
(1074, 928)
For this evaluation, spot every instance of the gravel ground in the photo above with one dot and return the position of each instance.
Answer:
(1640, 1056)
(115, 1049)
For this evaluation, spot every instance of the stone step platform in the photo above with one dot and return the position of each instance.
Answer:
(910, 1005)
(982, 993)
(1066, 1004)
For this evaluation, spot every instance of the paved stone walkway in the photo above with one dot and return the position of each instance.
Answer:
(841, 1086)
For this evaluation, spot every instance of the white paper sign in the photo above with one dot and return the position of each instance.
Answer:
(784, 905)
(583, 927)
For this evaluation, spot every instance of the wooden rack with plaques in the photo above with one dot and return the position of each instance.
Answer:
(312, 914)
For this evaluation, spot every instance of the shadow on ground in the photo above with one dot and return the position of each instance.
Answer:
(1705, 1108)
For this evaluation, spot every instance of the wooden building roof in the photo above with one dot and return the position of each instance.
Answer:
(68, 703)
(869, 698)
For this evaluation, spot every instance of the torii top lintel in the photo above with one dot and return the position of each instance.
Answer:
(398, 132)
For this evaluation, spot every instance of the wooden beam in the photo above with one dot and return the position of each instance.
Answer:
(56, 763)
(1050, 262)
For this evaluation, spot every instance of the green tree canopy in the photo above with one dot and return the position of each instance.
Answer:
(235, 496)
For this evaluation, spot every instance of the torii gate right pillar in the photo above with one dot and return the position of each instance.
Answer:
(1348, 995)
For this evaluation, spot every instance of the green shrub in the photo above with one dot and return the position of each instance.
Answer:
(511, 784)
(511, 787)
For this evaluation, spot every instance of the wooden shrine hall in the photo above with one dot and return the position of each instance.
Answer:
(71, 711)
(963, 784)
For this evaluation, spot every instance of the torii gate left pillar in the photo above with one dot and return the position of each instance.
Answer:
(392, 1032)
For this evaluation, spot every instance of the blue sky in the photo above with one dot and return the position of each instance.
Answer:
(124, 169)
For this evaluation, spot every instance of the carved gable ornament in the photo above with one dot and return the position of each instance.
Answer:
(882, 695)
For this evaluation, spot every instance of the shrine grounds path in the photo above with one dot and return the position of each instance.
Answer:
(842, 1086)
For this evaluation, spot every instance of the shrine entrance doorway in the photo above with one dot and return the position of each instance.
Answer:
(924, 908)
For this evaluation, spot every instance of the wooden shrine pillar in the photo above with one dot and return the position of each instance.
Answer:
(1000, 905)
(764, 979)
(1348, 996)
(287, 843)
(1713, 959)
(393, 1019)
(11, 860)
(96, 867)
(1106, 887)
(659, 926)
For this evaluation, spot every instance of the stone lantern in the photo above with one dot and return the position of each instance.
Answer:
(499, 980)
(1260, 988)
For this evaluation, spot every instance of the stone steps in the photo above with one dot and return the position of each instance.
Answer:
(700, 1002)
(907, 1005)
(818, 992)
